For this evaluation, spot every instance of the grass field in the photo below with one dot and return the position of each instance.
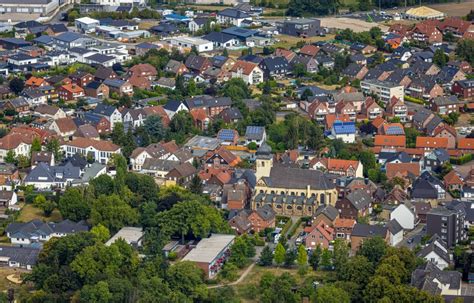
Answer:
(289, 41)
(29, 212)
(253, 279)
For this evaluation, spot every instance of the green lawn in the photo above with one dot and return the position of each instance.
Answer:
(29, 212)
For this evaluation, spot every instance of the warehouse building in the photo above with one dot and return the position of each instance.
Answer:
(211, 253)
(41, 7)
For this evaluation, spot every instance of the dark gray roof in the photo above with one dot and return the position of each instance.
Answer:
(433, 124)
(394, 227)
(366, 230)
(100, 58)
(266, 212)
(424, 278)
(49, 174)
(359, 199)
(233, 13)
(436, 245)
(421, 115)
(275, 63)
(218, 37)
(352, 69)
(445, 100)
(254, 132)
(23, 255)
(69, 36)
(38, 228)
(104, 109)
(284, 177)
(207, 101)
(328, 210)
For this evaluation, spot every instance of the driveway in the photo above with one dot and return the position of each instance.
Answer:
(417, 234)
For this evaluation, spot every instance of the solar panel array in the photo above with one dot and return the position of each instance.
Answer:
(394, 130)
(226, 135)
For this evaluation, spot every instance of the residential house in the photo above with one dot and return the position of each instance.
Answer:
(370, 109)
(231, 16)
(181, 174)
(103, 73)
(197, 63)
(50, 112)
(354, 205)
(119, 87)
(46, 177)
(111, 113)
(64, 127)
(97, 90)
(355, 71)
(395, 232)
(319, 235)
(100, 151)
(39, 231)
(466, 145)
(429, 143)
(70, 92)
(429, 278)
(303, 28)
(428, 187)
(361, 231)
(250, 72)
(256, 134)
(222, 40)
(453, 181)
(19, 144)
(385, 90)
(348, 168)
(436, 252)
(446, 131)
(19, 257)
(343, 228)
(464, 88)
(274, 67)
(444, 105)
(176, 67)
(425, 32)
(435, 159)
(344, 130)
(81, 78)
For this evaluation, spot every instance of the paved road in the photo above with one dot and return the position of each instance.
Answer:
(416, 234)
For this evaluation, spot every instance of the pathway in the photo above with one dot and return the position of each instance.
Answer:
(242, 277)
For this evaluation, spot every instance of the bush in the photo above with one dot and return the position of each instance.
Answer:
(461, 160)
(294, 228)
(172, 256)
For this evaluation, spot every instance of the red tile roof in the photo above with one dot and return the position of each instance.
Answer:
(466, 143)
(402, 169)
(387, 141)
(430, 142)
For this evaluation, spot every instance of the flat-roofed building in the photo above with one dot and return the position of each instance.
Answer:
(201, 45)
(211, 253)
(41, 7)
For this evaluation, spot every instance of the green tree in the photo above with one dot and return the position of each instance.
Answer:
(465, 50)
(101, 233)
(154, 128)
(188, 279)
(190, 217)
(340, 254)
(54, 146)
(73, 205)
(302, 259)
(315, 257)
(279, 255)
(98, 293)
(440, 58)
(112, 212)
(280, 290)
(10, 157)
(325, 259)
(196, 185)
(266, 256)
(242, 250)
(290, 257)
(102, 185)
(331, 294)
(17, 85)
(45, 205)
(36, 145)
(373, 249)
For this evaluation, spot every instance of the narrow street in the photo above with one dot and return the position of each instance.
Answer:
(417, 234)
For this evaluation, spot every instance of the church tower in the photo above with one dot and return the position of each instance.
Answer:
(264, 161)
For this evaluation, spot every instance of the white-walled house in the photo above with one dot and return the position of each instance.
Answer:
(99, 150)
(247, 71)
(395, 231)
(24, 234)
(19, 144)
(436, 252)
(404, 216)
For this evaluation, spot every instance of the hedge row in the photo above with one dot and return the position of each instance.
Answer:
(461, 160)
(414, 100)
